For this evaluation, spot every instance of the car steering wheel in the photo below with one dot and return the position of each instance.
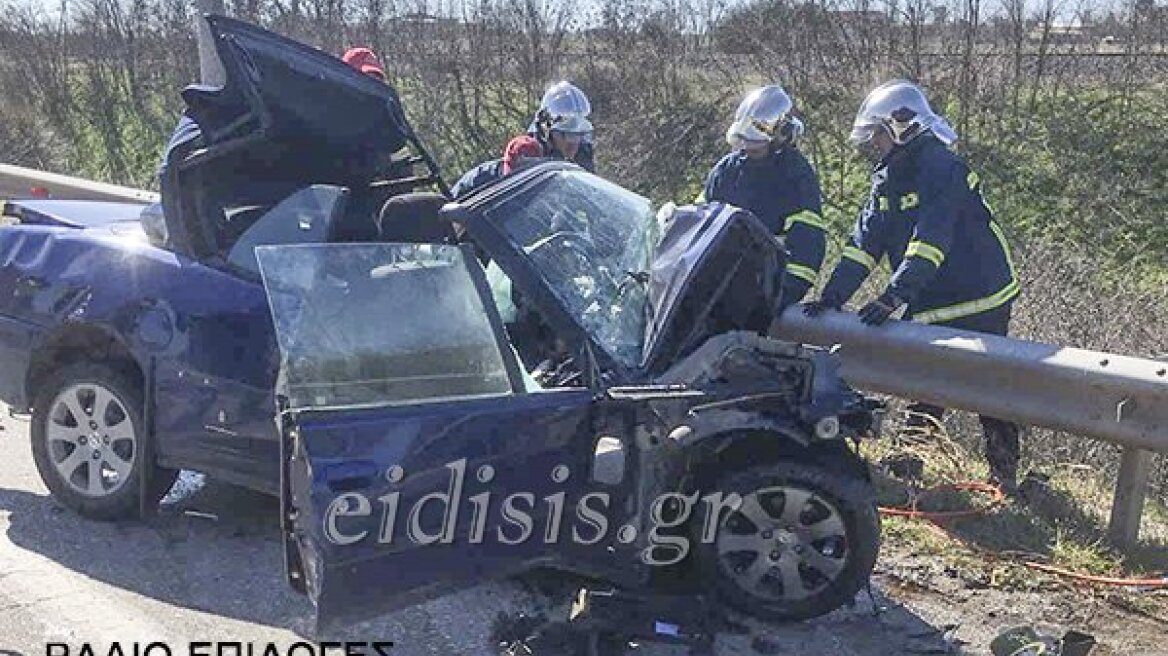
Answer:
(571, 251)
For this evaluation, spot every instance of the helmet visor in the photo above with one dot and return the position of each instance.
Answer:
(746, 130)
(862, 133)
(572, 124)
(944, 131)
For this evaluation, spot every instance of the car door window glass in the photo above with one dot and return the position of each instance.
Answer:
(302, 218)
(381, 324)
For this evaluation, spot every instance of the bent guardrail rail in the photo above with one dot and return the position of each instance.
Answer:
(17, 181)
(1110, 397)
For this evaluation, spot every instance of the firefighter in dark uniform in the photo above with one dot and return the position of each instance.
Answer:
(768, 176)
(561, 127)
(950, 260)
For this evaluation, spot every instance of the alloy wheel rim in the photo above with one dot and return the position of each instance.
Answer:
(91, 439)
(783, 543)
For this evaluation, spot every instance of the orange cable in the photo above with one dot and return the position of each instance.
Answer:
(1098, 580)
(997, 497)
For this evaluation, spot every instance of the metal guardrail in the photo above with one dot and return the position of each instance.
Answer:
(17, 182)
(1110, 397)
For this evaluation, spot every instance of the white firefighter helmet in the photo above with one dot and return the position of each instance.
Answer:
(565, 108)
(764, 115)
(902, 109)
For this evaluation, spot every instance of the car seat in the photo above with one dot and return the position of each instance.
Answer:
(356, 223)
(415, 218)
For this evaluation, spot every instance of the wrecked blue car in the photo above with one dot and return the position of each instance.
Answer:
(547, 374)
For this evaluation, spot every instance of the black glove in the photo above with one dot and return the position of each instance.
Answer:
(817, 307)
(878, 311)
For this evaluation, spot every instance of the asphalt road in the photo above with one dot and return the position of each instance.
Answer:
(209, 568)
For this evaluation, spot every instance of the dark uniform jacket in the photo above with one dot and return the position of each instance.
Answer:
(927, 215)
(782, 190)
(480, 176)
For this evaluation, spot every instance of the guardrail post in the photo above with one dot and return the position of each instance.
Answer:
(1130, 489)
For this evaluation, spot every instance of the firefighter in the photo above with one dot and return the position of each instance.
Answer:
(767, 175)
(950, 260)
(561, 127)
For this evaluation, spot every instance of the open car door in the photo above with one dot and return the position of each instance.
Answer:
(415, 459)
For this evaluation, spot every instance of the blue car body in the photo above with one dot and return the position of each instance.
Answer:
(73, 287)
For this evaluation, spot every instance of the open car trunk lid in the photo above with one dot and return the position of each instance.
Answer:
(287, 117)
(281, 94)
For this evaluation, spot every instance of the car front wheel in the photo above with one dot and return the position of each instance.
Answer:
(87, 441)
(802, 543)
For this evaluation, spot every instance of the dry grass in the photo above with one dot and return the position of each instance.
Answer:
(1061, 521)
(1064, 302)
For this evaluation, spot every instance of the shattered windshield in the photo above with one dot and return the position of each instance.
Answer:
(379, 324)
(592, 243)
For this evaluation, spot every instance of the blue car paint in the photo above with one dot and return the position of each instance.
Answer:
(16, 345)
(208, 333)
(523, 437)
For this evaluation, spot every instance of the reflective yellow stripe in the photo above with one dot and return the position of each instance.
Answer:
(925, 250)
(952, 312)
(974, 180)
(806, 217)
(860, 256)
(909, 201)
(800, 271)
(883, 204)
(701, 199)
(1005, 249)
(1003, 296)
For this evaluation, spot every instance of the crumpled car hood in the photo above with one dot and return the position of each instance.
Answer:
(716, 269)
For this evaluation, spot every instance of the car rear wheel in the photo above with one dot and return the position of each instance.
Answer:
(87, 442)
(802, 543)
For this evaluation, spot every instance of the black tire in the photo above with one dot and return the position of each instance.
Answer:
(121, 501)
(853, 501)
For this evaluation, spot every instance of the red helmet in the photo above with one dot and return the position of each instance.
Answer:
(517, 149)
(363, 59)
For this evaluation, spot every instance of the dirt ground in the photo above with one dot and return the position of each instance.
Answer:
(1128, 623)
